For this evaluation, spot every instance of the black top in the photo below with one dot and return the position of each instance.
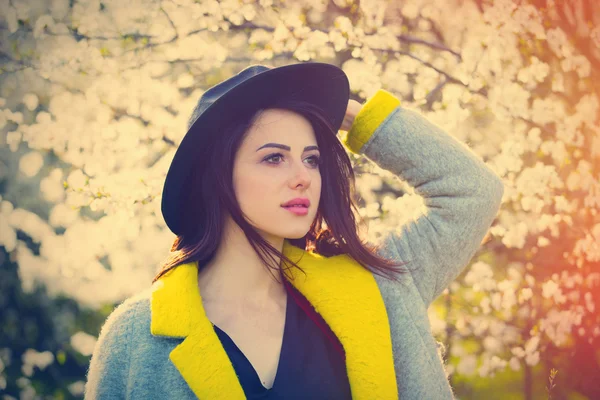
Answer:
(311, 363)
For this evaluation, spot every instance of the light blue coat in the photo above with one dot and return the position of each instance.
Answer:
(159, 344)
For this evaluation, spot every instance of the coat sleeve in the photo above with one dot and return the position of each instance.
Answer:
(109, 366)
(462, 194)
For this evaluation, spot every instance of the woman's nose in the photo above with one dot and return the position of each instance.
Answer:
(300, 176)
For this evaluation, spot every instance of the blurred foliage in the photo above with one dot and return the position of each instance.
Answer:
(36, 321)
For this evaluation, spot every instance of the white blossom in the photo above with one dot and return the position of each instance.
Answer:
(83, 343)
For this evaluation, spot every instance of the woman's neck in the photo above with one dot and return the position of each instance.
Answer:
(237, 275)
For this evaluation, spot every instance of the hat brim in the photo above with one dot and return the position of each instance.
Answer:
(322, 84)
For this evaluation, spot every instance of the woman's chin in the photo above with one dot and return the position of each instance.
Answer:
(294, 234)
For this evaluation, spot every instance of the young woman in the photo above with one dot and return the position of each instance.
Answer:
(270, 292)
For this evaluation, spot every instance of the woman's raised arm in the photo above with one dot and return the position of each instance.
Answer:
(461, 193)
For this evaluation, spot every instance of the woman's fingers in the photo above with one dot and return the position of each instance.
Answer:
(352, 110)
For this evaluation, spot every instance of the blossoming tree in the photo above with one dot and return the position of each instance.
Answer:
(95, 94)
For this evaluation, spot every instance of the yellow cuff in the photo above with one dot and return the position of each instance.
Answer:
(370, 116)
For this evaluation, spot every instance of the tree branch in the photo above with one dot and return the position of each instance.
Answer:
(437, 46)
(435, 90)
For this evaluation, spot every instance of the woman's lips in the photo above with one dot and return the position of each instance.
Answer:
(298, 210)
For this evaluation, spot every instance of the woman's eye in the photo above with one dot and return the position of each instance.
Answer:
(315, 159)
(270, 157)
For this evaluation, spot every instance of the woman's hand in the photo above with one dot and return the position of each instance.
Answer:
(351, 111)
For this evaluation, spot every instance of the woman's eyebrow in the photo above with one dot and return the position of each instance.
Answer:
(284, 147)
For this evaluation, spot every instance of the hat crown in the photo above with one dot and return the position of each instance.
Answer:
(215, 92)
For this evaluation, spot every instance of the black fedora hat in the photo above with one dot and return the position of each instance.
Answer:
(257, 86)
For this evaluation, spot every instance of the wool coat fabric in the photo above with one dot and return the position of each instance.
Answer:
(159, 344)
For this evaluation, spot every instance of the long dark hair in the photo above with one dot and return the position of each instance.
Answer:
(334, 230)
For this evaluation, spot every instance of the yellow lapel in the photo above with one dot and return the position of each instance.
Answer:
(344, 293)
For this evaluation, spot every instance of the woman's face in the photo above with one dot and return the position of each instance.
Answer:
(277, 162)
